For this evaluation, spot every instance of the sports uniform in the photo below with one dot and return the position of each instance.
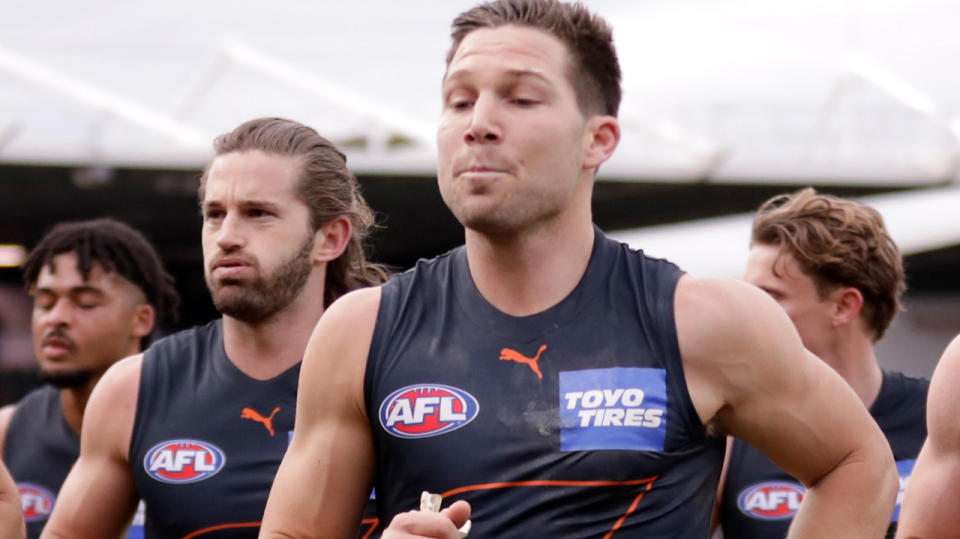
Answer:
(208, 439)
(39, 449)
(760, 499)
(573, 422)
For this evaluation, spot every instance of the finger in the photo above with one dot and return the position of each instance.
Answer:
(458, 513)
(423, 524)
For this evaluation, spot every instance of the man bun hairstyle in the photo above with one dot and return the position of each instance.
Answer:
(325, 185)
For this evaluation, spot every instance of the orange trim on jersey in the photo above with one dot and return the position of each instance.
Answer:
(198, 533)
(563, 483)
(373, 522)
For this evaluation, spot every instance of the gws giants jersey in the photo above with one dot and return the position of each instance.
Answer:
(760, 500)
(574, 422)
(207, 439)
(39, 450)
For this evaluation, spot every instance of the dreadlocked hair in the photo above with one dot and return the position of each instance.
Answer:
(117, 248)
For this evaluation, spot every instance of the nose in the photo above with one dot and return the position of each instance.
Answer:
(484, 124)
(229, 235)
(60, 314)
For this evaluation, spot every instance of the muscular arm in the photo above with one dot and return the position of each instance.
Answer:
(929, 510)
(6, 414)
(98, 498)
(325, 477)
(11, 514)
(748, 372)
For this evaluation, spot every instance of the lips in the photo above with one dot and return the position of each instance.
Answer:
(230, 262)
(57, 345)
(479, 169)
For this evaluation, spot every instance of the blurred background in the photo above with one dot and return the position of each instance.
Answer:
(108, 107)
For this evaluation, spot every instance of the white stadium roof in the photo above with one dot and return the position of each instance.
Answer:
(745, 90)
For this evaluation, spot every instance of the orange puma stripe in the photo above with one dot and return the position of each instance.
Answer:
(250, 413)
(509, 354)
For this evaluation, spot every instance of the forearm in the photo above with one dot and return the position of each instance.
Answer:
(854, 500)
(11, 517)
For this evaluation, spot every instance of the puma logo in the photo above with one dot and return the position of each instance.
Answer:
(509, 354)
(250, 413)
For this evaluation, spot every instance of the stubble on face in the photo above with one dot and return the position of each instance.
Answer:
(255, 301)
(528, 156)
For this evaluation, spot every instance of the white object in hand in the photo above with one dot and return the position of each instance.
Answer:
(431, 502)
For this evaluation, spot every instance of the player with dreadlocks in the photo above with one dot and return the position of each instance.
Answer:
(99, 293)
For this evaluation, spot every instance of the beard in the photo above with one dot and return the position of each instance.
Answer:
(256, 301)
(68, 379)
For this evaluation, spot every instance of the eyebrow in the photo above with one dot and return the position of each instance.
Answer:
(515, 73)
(260, 203)
(79, 289)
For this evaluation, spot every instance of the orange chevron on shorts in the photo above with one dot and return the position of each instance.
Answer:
(646, 482)
(509, 354)
(250, 413)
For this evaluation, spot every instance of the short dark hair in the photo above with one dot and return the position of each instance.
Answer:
(594, 68)
(325, 185)
(837, 242)
(117, 248)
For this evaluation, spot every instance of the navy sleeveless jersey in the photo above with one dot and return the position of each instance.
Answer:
(207, 439)
(574, 422)
(760, 499)
(39, 449)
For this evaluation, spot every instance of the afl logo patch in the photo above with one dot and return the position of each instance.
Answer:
(36, 501)
(425, 410)
(771, 501)
(183, 461)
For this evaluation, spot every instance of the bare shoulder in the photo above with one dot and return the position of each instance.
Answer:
(338, 348)
(356, 305)
(943, 406)
(112, 407)
(731, 334)
(6, 414)
(718, 317)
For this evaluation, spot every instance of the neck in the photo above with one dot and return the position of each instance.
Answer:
(73, 401)
(268, 348)
(854, 359)
(532, 271)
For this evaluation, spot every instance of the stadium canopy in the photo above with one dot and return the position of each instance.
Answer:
(792, 91)
(918, 221)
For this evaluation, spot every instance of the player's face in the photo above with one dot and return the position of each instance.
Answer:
(782, 278)
(257, 240)
(511, 140)
(82, 326)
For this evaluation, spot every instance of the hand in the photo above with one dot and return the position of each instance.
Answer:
(425, 524)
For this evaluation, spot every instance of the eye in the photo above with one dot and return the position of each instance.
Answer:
(523, 101)
(257, 213)
(213, 214)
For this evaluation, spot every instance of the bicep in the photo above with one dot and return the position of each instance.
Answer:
(761, 385)
(325, 476)
(927, 507)
(99, 497)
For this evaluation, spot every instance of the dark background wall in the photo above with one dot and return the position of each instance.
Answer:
(414, 223)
